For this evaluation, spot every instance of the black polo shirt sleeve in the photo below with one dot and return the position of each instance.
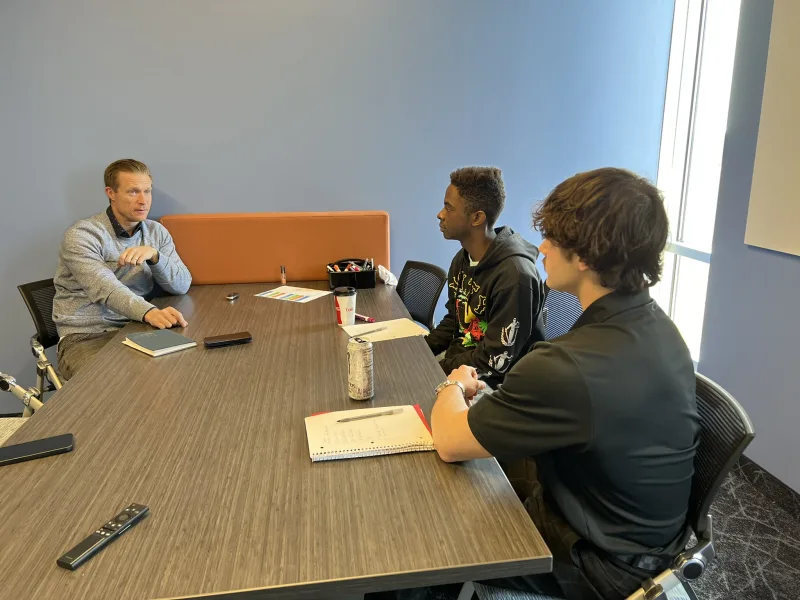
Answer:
(542, 405)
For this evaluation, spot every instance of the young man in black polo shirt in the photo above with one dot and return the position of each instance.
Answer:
(597, 429)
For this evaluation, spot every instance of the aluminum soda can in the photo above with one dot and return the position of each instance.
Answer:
(360, 375)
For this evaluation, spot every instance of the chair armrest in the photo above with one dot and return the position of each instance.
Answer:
(691, 563)
(673, 583)
(665, 586)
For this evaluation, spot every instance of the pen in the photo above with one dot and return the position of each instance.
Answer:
(283, 274)
(370, 331)
(365, 318)
(330, 269)
(337, 269)
(394, 411)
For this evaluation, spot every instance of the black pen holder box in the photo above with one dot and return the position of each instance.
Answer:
(358, 279)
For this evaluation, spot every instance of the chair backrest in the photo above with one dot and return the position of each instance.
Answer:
(38, 297)
(726, 431)
(419, 287)
(562, 310)
(257, 244)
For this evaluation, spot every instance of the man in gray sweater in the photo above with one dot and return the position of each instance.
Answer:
(108, 264)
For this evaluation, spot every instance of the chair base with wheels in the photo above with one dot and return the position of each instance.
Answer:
(47, 380)
(29, 397)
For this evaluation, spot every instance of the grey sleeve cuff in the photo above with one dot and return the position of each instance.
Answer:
(124, 302)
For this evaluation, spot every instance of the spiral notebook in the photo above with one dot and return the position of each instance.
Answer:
(367, 432)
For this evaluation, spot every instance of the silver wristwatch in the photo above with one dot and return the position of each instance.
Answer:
(449, 382)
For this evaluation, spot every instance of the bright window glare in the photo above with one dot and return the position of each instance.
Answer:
(710, 123)
(693, 137)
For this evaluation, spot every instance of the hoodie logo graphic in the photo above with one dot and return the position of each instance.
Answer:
(500, 362)
(481, 308)
(470, 308)
(464, 285)
(508, 334)
(471, 327)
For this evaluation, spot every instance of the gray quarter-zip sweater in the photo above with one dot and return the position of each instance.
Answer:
(94, 293)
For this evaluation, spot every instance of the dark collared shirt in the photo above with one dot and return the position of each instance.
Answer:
(608, 410)
(119, 229)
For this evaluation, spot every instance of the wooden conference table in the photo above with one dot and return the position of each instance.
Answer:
(213, 441)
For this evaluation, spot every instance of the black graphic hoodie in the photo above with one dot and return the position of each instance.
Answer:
(493, 309)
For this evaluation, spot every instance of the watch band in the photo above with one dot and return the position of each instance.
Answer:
(447, 383)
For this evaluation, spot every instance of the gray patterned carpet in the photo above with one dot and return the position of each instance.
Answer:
(757, 534)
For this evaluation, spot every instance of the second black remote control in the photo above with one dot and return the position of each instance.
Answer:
(102, 537)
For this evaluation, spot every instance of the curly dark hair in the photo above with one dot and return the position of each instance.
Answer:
(614, 220)
(482, 189)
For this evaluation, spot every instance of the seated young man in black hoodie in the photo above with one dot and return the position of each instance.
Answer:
(494, 294)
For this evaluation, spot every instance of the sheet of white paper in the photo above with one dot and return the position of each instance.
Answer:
(396, 329)
(293, 294)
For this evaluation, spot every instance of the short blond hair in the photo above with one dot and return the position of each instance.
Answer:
(125, 165)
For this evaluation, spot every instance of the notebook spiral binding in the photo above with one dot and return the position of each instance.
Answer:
(421, 446)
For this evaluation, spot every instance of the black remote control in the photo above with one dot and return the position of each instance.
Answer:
(102, 537)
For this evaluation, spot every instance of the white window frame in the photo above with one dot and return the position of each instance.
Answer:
(680, 108)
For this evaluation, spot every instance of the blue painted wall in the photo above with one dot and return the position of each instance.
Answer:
(247, 105)
(751, 328)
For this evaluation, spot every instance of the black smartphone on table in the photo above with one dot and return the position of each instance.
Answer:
(36, 449)
(229, 339)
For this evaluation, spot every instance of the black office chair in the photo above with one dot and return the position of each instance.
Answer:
(560, 312)
(725, 432)
(38, 297)
(419, 287)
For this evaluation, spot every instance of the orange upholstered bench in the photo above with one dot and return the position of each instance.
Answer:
(251, 247)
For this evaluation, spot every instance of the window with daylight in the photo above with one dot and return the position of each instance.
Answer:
(692, 137)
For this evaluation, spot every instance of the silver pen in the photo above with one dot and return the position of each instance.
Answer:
(394, 411)
(370, 331)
